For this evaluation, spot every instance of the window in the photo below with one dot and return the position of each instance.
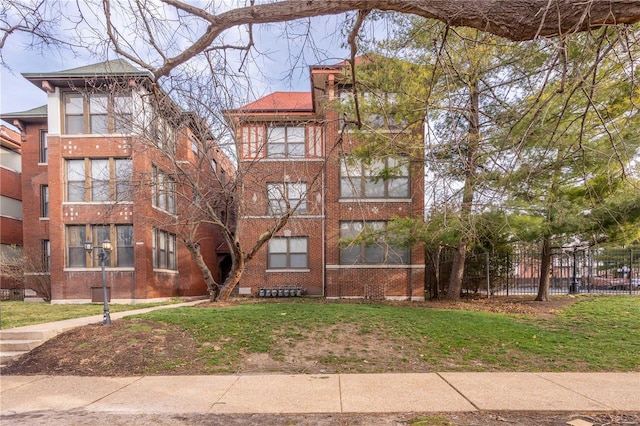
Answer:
(76, 255)
(283, 142)
(73, 113)
(100, 180)
(122, 114)
(164, 190)
(44, 201)
(76, 180)
(252, 141)
(288, 253)
(98, 118)
(361, 180)
(121, 237)
(46, 255)
(194, 145)
(164, 250)
(124, 245)
(281, 193)
(162, 134)
(373, 250)
(99, 233)
(108, 179)
(124, 179)
(44, 146)
(97, 113)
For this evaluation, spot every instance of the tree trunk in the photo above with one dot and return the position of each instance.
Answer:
(237, 268)
(545, 269)
(457, 271)
(434, 255)
(212, 285)
(468, 191)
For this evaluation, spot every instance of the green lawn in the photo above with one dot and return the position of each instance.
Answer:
(594, 334)
(303, 335)
(18, 314)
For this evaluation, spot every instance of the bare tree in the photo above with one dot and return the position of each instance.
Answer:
(178, 43)
(26, 270)
(196, 180)
(522, 20)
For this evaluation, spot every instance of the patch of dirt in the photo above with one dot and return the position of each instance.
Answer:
(126, 348)
(508, 305)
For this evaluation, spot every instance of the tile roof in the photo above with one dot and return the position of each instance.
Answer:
(281, 101)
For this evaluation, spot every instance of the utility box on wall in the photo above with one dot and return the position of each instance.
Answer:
(96, 294)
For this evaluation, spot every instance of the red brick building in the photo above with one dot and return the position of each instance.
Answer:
(99, 163)
(294, 157)
(10, 198)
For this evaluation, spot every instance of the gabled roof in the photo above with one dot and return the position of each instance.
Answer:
(281, 102)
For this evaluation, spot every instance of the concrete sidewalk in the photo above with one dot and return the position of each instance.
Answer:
(330, 393)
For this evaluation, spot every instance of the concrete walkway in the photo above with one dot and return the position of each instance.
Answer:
(57, 327)
(330, 393)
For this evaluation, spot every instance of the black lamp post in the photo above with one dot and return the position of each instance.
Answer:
(105, 248)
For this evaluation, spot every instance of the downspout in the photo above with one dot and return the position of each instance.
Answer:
(324, 219)
(324, 185)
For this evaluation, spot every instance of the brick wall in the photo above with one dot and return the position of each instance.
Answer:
(139, 282)
(370, 281)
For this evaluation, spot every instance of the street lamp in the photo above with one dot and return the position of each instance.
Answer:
(104, 250)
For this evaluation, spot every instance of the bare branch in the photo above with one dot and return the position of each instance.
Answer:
(521, 20)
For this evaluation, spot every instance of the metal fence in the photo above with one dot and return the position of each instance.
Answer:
(574, 270)
(12, 294)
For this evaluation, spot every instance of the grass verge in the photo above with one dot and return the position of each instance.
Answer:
(18, 314)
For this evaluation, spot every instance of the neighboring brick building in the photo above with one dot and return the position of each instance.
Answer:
(97, 164)
(293, 156)
(10, 199)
